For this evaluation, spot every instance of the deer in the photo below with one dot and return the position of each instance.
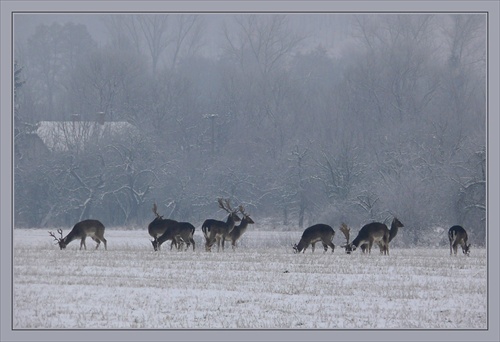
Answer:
(178, 233)
(215, 231)
(92, 228)
(458, 236)
(157, 228)
(311, 235)
(376, 232)
(240, 229)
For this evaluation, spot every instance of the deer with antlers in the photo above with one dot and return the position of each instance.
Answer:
(92, 228)
(179, 233)
(215, 231)
(165, 229)
(157, 228)
(240, 229)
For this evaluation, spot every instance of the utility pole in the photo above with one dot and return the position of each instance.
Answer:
(212, 123)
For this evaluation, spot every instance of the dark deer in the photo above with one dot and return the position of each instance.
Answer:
(92, 228)
(378, 233)
(178, 232)
(313, 234)
(240, 229)
(458, 236)
(346, 231)
(157, 228)
(215, 231)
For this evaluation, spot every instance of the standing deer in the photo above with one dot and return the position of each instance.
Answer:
(240, 229)
(458, 236)
(157, 228)
(313, 234)
(376, 232)
(178, 232)
(215, 231)
(92, 228)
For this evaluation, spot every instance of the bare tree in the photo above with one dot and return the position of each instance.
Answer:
(157, 33)
(51, 54)
(154, 29)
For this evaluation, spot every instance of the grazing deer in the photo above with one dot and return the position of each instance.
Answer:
(240, 229)
(178, 233)
(346, 231)
(313, 234)
(92, 228)
(215, 231)
(458, 236)
(376, 232)
(158, 226)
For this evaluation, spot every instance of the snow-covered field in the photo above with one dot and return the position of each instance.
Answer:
(262, 285)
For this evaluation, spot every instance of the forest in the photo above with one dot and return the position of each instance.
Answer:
(302, 118)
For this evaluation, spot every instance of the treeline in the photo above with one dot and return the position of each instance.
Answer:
(390, 121)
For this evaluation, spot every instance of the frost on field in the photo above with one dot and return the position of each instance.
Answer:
(255, 287)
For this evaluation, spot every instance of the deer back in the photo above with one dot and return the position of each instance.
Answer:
(458, 234)
(185, 230)
(159, 225)
(315, 233)
(374, 231)
(205, 228)
(223, 228)
(85, 228)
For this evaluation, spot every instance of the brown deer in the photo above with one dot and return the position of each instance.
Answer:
(178, 233)
(157, 228)
(92, 228)
(313, 234)
(215, 231)
(458, 236)
(378, 233)
(240, 229)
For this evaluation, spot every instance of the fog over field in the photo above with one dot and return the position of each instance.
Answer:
(301, 117)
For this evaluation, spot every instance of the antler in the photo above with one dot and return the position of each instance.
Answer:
(55, 237)
(224, 204)
(228, 206)
(155, 210)
(345, 230)
(242, 211)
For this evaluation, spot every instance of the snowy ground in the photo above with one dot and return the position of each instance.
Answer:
(262, 285)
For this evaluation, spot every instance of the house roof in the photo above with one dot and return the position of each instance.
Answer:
(67, 135)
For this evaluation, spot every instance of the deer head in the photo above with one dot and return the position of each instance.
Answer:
(466, 249)
(246, 216)
(348, 246)
(60, 240)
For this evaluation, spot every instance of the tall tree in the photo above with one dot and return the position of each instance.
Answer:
(52, 52)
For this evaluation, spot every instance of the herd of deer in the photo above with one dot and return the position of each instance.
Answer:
(162, 230)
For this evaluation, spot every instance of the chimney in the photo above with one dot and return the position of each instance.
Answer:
(100, 118)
